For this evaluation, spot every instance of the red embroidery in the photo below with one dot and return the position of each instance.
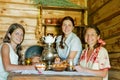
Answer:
(83, 55)
(93, 57)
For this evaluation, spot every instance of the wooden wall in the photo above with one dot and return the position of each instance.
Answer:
(59, 14)
(79, 16)
(19, 11)
(25, 13)
(106, 14)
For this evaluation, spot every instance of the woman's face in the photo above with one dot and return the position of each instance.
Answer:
(17, 36)
(67, 27)
(91, 37)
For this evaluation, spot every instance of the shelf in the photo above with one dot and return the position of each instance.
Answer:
(57, 25)
(64, 8)
(52, 12)
(50, 24)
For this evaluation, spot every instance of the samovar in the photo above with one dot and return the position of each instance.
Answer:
(48, 52)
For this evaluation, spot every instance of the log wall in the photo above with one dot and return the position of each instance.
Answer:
(50, 12)
(25, 13)
(19, 11)
(106, 14)
(59, 14)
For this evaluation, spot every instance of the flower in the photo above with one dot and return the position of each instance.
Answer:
(102, 43)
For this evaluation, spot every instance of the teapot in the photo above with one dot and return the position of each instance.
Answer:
(49, 39)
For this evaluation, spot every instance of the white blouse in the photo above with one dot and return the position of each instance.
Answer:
(13, 60)
(72, 43)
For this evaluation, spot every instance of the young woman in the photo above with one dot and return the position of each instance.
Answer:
(10, 51)
(68, 45)
(94, 59)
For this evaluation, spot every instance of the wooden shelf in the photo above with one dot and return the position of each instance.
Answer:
(76, 26)
(50, 24)
(78, 13)
(63, 8)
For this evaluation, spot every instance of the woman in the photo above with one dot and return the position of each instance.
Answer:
(94, 59)
(68, 45)
(10, 50)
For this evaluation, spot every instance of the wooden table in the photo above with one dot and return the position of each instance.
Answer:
(18, 76)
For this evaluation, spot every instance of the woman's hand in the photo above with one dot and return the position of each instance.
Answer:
(79, 68)
(101, 73)
(57, 60)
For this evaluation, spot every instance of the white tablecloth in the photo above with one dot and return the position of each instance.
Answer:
(52, 72)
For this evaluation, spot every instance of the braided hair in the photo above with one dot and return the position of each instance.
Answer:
(65, 18)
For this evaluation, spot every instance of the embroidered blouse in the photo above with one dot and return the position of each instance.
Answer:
(98, 60)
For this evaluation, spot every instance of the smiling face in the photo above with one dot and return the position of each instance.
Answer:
(91, 37)
(17, 36)
(67, 27)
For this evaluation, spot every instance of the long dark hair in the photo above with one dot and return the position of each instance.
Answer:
(65, 18)
(11, 29)
(96, 30)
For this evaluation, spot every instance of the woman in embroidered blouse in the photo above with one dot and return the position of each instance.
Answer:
(10, 51)
(94, 59)
(68, 45)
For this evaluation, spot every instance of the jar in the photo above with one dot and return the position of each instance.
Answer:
(59, 21)
(70, 64)
(54, 20)
(48, 21)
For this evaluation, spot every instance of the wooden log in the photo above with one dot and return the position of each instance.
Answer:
(95, 5)
(17, 1)
(115, 60)
(114, 75)
(24, 21)
(18, 13)
(114, 55)
(28, 36)
(111, 31)
(113, 44)
(107, 12)
(28, 29)
(29, 42)
(18, 5)
(109, 23)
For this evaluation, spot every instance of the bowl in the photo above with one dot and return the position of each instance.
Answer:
(40, 67)
(58, 67)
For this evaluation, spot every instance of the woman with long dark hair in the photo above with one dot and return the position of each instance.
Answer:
(68, 44)
(10, 51)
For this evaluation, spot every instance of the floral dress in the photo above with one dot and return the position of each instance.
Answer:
(98, 60)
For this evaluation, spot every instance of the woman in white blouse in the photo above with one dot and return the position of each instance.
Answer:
(68, 44)
(94, 58)
(10, 51)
